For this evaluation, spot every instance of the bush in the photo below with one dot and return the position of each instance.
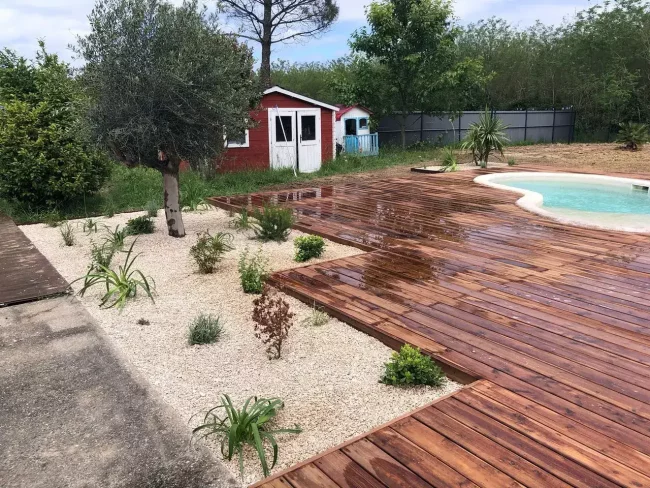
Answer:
(308, 247)
(67, 233)
(43, 160)
(52, 219)
(140, 225)
(512, 162)
(90, 225)
(116, 238)
(209, 250)
(101, 256)
(241, 221)
(152, 209)
(246, 426)
(449, 160)
(205, 329)
(273, 223)
(485, 137)
(632, 135)
(252, 272)
(272, 321)
(411, 367)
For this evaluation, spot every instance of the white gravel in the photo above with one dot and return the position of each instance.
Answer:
(328, 376)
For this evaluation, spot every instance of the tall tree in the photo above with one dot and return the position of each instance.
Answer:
(406, 61)
(164, 85)
(273, 21)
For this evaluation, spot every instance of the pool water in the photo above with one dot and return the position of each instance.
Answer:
(588, 197)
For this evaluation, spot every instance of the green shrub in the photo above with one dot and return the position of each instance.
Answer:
(90, 225)
(140, 225)
(317, 318)
(193, 191)
(204, 329)
(115, 238)
(101, 256)
(209, 249)
(52, 219)
(43, 159)
(449, 160)
(67, 233)
(152, 209)
(252, 272)
(249, 425)
(109, 208)
(512, 162)
(121, 285)
(410, 367)
(632, 135)
(273, 223)
(308, 247)
(241, 220)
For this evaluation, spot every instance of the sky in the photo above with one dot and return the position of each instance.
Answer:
(58, 22)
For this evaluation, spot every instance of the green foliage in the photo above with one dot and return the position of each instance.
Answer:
(253, 271)
(241, 220)
(115, 238)
(90, 225)
(449, 160)
(152, 209)
(140, 225)
(410, 367)
(250, 425)
(101, 256)
(512, 162)
(308, 247)
(52, 219)
(273, 223)
(67, 233)
(209, 250)
(109, 208)
(193, 192)
(43, 160)
(312, 79)
(485, 137)
(316, 318)
(632, 135)
(121, 285)
(204, 329)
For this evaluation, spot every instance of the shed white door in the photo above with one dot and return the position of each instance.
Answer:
(309, 141)
(295, 139)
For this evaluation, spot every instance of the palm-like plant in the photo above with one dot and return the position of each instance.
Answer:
(632, 135)
(236, 428)
(121, 285)
(484, 137)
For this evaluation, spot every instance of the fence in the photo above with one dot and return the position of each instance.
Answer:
(363, 145)
(523, 125)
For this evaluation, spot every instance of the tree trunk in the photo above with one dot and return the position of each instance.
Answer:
(169, 168)
(265, 66)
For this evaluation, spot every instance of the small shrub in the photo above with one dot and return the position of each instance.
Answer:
(249, 425)
(143, 321)
(116, 238)
(204, 329)
(317, 318)
(209, 250)
(449, 160)
(121, 285)
(90, 225)
(52, 219)
(67, 233)
(252, 272)
(632, 135)
(410, 367)
(109, 209)
(272, 321)
(101, 256)
(241, 220)
(193, 192)
(273, 223)
(308, 247)
(152, 209)
(140, 225)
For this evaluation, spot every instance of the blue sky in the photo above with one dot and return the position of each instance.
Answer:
(22, 22)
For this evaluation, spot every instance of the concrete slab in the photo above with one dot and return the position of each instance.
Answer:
(74, 414)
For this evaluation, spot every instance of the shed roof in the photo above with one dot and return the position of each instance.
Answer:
(343, 109)
(278, 89)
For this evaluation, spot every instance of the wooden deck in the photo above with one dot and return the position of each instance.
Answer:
(554, 320)
(25, 274)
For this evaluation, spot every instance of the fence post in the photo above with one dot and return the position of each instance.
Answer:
(526, 125)
(553, 130)
(460, 124)
(421, 126)
(573, 126)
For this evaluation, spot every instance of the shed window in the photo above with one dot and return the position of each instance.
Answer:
(363, 123)
(283, 129)
(238, 140)
(308, 127)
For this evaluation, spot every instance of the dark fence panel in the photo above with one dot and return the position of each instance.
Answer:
(524, 125)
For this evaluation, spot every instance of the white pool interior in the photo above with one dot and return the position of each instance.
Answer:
(596, 201)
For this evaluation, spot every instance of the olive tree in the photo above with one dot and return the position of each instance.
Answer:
(164, 86)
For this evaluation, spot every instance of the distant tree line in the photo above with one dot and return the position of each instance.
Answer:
(597, 63)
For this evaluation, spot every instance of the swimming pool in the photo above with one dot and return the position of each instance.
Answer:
(603, 202)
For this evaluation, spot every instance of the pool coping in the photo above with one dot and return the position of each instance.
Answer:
(533, 201)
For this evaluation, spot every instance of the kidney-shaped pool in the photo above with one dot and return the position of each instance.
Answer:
(603, 202)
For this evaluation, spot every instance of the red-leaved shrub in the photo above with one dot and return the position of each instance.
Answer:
(272, 321)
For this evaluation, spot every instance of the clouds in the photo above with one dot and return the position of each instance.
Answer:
(58, 22)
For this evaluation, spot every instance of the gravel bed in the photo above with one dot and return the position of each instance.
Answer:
(328, 376)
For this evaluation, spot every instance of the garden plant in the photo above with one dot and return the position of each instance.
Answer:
(308, 247)
(273, 223)
(252, 271)
(272, 321)
(209, 250)
(204, 329)
(410, 367)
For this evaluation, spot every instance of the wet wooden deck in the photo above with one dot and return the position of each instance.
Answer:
(554, 320)
(25, 274)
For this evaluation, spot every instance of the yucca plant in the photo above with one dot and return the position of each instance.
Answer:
(121, 285)
(241, 220)
(101, 256)
(449, 160)
(485, 137)
(116, 237)
(632, 135)
(90, 225)
(246, 426)
(67, 233)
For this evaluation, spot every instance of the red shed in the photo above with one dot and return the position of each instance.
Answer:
(290, 130)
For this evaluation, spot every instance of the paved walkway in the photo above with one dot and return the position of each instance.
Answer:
(72, 413)
(554, 320)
